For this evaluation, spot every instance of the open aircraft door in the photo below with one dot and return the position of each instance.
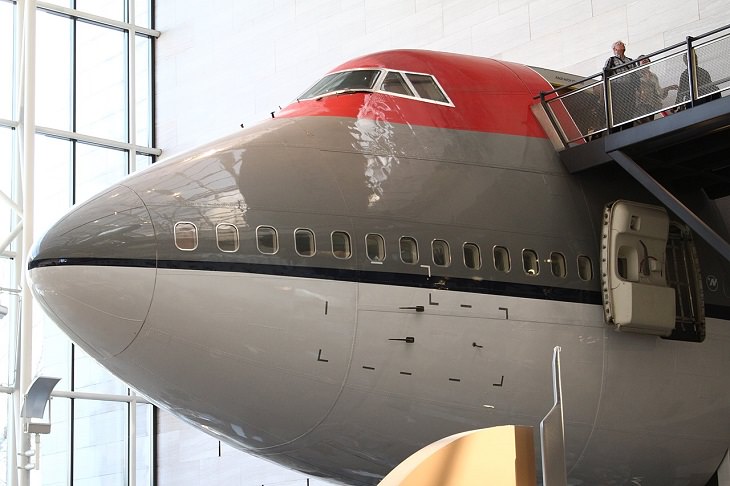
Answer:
(636, 294)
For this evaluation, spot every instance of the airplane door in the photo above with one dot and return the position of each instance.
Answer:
(636, 295)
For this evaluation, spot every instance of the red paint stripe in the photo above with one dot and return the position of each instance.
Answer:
(489, 96)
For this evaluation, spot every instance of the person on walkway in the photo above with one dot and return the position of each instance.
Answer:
(651, 95)
(705, 86)
(623, 88)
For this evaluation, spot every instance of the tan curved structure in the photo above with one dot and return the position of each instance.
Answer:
(500, 456)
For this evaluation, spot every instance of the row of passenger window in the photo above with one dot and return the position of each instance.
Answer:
(267, 243)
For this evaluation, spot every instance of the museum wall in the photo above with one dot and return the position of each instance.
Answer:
(235, 62)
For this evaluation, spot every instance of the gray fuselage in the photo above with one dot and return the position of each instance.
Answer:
(343, 366)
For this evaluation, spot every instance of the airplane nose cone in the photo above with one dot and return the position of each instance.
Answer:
(94, 271)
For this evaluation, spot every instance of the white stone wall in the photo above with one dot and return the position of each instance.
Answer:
(223, 63)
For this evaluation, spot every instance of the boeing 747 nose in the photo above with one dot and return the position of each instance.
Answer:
(94, 271)
(389, 261)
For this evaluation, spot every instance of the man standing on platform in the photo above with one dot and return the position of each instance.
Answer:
(624, 88)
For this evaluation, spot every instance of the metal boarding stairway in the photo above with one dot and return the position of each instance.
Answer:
(683, 276)
(682, 144)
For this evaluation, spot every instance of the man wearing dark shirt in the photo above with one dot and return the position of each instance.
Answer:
(624, 88)
(704, 85)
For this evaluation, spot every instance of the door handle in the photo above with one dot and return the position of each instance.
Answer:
(407, 339)
(417, 308)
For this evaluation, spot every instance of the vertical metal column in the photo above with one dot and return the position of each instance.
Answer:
(131, 167)
(691, 73)
(132, 89)
(16, 399)
(608, 100)
(27, 123)
(132, 438)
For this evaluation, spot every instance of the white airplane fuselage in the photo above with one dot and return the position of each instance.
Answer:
(340, 356)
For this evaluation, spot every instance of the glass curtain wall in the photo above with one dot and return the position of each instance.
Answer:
(93, 126)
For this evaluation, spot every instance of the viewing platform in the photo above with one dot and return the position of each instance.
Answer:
(675, 141)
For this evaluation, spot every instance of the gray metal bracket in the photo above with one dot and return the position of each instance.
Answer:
(552, 434)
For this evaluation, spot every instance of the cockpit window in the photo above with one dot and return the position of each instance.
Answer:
(394, 83)
(357, 80)
(426, 87)
(414, 85)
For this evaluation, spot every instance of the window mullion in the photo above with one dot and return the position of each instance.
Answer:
(74, 95)
(131, 88)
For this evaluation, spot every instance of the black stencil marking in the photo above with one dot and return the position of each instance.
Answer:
(430, 300)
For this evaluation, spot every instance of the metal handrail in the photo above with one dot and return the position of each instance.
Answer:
(651, 54)
(691, 44)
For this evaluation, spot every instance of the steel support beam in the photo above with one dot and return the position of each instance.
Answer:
(5, 242)
(673, 204)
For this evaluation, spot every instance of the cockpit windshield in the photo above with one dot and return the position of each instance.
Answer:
(422, 87)
(357, 80)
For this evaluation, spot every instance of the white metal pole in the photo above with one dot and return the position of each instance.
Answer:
(132, 127)
(5, 199)
(28, 143)
(11, 236)
(18, 63)
(132, 91)
(132, 437)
